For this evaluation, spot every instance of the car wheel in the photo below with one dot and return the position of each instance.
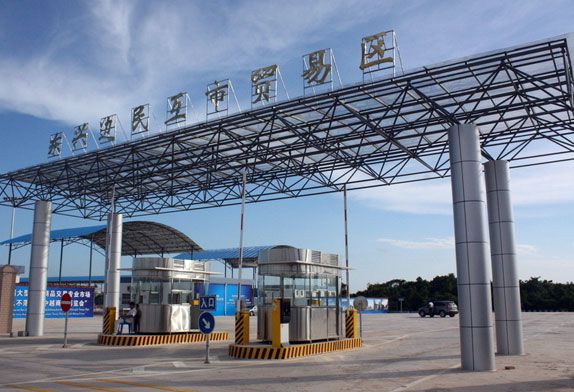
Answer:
(422, 313)
(442, 313)
(451, 315)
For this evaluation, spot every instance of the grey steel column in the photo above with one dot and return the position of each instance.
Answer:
(473, 273)
(508, 316)
(38, 278)
(112, 295)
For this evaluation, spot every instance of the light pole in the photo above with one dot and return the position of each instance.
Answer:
(13, 200)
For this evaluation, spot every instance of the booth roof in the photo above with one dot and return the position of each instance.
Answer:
(230, 255)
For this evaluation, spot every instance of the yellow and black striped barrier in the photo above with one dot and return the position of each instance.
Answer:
(291, 351)
(352, 324)
(242, 327)
(150, 340)
(109, 326)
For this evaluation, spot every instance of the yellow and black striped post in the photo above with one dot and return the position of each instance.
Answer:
(109, 321)
(352, 324)
(276, 323)
(242, 327)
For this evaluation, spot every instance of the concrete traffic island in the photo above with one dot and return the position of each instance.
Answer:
(157, 339)
(265, 351)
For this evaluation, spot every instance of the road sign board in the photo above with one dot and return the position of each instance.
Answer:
(66, 302)
(360, 303)
(206, 322)
(207, 302)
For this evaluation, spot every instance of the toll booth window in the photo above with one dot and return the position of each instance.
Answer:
(154, 298)
(287, 288)
(318, 285)
(331, 291)
(301, 293)
(126, 298)
(269, 289)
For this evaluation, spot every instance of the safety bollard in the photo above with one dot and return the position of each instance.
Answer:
(109, 326)
(352, 324)
(242, 327)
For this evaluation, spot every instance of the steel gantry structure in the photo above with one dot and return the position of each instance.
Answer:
(377, 133)
(508, 107)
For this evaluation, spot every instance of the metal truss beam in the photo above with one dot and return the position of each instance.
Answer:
(384, 132)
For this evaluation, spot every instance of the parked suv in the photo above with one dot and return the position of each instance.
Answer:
(442, 308)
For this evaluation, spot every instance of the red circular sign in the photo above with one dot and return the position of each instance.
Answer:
(66, 302)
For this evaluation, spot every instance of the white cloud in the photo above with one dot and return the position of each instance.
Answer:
(426, 244)
(120, 54)
(526, 249)
(445, 243)
(551, 184)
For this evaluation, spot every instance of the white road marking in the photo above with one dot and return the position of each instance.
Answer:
(421, 380)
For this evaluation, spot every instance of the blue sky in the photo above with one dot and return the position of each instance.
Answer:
(67, 62)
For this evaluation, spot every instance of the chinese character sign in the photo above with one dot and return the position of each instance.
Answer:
(217, 96)
(55, 147)
(80, 138)
(264, 84)
(82, 301)
(375, 51)
(140, 119)
(317, 68)
(176, 109)
(108, 129)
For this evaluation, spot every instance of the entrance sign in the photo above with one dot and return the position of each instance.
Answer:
(304, 147)
(176, 109)
(317, 67)
(264, 85)
(206, 323)
(55, 147)
(140, 119)
(207, 302)
(377, 52)
(108, 129)
(217, 97)
(80, 138)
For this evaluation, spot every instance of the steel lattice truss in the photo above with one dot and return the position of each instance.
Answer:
(378, 133)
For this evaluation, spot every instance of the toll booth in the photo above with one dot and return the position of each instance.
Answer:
(166, 290)
(305, 284)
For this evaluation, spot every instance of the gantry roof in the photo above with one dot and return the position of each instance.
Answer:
(138, 238)
(383, 132)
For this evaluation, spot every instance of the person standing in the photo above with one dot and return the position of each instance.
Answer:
(137, 319)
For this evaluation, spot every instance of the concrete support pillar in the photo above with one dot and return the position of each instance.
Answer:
(113, 255)
(38, 277)
(471, 239)
(506, 289)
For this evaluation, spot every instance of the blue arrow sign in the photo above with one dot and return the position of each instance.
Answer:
(207, 302)
(206, 323)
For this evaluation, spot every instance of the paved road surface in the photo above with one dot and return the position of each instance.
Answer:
(402, 353)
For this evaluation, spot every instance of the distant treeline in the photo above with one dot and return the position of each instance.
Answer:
(535, 294)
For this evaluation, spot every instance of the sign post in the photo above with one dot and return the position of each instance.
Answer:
(66, 305)
(206, 326)
(206, 320)
(360, 303)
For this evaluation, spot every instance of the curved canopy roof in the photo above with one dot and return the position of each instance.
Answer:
(138, 238)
